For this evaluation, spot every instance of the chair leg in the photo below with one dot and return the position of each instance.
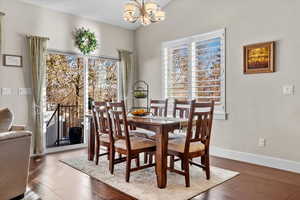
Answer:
(182, 164)
(128, 167)
(150, 158)
(108, 153)
(111, 160)
(137, 160)
(145, 158)
(203, 162)
(187, 172)
(207, 167)
(172, 162)
(97, 152)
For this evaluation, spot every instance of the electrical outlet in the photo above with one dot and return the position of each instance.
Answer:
(288, 90)
(261, 142)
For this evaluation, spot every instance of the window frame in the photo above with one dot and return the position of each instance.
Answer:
(220, 110)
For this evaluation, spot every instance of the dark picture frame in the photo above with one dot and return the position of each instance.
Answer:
(12, 60)
(259, 58)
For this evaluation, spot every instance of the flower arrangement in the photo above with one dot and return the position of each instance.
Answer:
(85, 40)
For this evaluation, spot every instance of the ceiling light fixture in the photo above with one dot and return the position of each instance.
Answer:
(144, 12)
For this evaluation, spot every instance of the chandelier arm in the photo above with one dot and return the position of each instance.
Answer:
(154, 21)
(138, 4)
(135, 19)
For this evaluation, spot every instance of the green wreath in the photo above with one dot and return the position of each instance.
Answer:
(85, 40)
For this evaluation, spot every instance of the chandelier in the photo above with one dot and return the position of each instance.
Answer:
(144, 12)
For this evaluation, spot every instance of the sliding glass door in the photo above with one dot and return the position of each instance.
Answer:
(64, 100)
(71, 87)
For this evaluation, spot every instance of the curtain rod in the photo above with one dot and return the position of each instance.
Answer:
(29, 36)
(78, 54)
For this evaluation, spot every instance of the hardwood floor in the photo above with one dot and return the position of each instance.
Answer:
(53, 180)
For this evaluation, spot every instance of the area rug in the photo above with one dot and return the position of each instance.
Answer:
(143, 183)
(30, 195)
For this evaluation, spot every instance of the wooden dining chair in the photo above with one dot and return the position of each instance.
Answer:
(181, 109)
(129, 145)
(159, 108)
(101, 128)
(197, 141)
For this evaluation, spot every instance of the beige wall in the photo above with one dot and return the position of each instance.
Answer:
(255, 103)
(22, 19)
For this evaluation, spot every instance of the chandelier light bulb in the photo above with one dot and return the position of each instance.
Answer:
(151, 7)
(130, 8)
(160, 15)
(129, 17)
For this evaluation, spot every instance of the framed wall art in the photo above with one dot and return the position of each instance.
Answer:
(259, 58)
(12, 60)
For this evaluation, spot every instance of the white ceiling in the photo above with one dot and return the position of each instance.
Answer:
(108, 11)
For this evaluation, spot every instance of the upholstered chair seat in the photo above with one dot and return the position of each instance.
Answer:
(179, 144)
(136, 143)
(105, 137)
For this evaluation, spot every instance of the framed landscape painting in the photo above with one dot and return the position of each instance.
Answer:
(259, 58)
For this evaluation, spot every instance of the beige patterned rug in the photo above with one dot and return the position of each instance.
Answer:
(143, 183)
(30, 195)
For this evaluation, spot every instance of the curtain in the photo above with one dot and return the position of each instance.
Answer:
(1, 29)
(37, 59)
(127, 79)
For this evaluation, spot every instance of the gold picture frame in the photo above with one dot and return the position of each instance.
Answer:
(259, 58)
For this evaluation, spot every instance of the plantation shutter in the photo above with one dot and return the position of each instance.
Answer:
(177, 72)
(195, 68)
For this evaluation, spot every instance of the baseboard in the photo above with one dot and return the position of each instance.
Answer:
(267, 161)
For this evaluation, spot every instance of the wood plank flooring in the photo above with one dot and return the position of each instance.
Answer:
(53, 180)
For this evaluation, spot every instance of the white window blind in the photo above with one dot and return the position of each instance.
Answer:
(194, 68)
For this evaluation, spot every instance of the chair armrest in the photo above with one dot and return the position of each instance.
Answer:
(14, 135)
(18, 128)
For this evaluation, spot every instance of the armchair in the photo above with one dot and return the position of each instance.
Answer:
(14, 161)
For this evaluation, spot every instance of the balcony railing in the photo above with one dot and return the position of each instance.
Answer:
(64, 125)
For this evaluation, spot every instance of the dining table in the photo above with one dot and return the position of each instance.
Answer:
(161, 126)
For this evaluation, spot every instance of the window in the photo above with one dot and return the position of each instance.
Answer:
(65, 80)
(103, 79)
(194, 68)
